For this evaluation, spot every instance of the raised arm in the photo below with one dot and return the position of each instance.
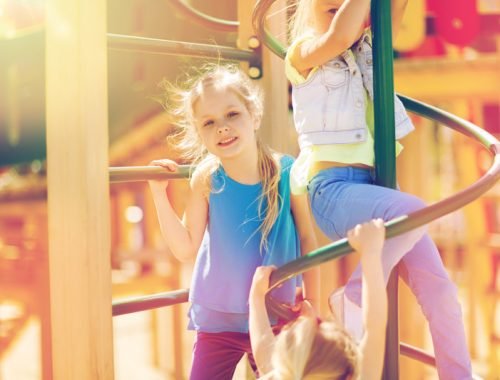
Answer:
(368, 240)
(184, 236)
(338, 25)
(308, 243)
(261, 334)
(398, 8)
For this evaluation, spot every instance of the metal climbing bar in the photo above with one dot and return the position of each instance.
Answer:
(259, 25)
(203, 19)
(385, 155)
(341, 247)
(152, 301)
(406, 222)
(146, 173)
(383, 94)
(385, 159)
(189, 49)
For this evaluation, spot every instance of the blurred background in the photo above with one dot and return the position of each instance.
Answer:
(447, 54)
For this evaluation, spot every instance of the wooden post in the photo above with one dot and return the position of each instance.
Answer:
(276, 129)
(78, 189)
(280, 131)
(43, 293)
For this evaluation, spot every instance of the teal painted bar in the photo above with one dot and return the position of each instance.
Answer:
(385, 155)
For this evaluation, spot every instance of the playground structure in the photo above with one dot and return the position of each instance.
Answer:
(85, 266)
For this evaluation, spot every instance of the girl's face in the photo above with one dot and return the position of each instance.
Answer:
(323, 12)
(225, 125)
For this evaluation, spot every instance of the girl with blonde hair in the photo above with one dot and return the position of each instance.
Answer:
(314, 350)
(330, 66)
(239, 213)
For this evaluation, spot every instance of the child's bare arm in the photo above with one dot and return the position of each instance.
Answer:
(368, 239)
(183, 237)
(398, 8)
(308, 243)
(344, 29)
(261, 334)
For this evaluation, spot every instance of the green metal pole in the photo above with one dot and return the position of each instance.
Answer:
(385, 155)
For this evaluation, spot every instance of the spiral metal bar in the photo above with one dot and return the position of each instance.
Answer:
(258, 22)
(399, 225)
(340, 248)
(406, 223)
(394, 227)
(402, 224)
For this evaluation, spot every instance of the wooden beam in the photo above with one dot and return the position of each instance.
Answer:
(78, 189)
(448, 79)
(276, 131)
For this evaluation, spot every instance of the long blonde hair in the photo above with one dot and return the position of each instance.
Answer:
(178, 100)
(299, 23)
(308, 351)
(302, 20)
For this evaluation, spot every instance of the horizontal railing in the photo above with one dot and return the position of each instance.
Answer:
(168, 47)
(145, 173)
(152, 301)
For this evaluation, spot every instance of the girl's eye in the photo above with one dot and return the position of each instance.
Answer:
(332, 11)
(208, 123)
(232, 114)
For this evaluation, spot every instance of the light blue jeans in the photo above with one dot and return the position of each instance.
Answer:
(342, 197)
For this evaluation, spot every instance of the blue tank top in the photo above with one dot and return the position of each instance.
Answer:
(230, 252)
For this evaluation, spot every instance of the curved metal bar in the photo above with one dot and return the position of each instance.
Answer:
(203, 19)
(399, 225)
(339, 248)
(406, 222)
(189, 49)
(463, 126)
(153, 301)
(146, 173)
(259, 26)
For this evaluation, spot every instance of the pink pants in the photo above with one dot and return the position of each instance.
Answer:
(342, 197)
(215, 355)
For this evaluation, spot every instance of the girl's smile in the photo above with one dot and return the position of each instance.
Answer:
(224, 123)
(227, 141)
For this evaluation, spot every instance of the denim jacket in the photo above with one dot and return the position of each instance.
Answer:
(330, 106)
